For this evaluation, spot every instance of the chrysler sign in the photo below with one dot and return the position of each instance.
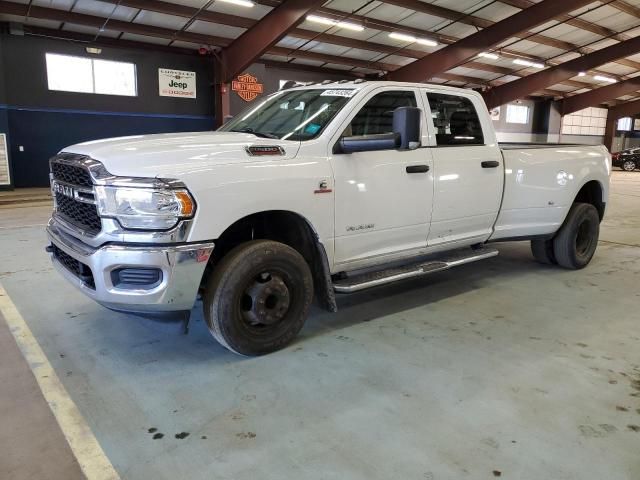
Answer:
(176, 83)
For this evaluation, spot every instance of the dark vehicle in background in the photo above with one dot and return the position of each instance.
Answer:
(628, 159)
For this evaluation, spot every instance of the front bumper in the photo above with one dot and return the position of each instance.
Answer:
(182, 267)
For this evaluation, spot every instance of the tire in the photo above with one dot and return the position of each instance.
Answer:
(543, 251)
(577, 240)
(257, 299)
(629, 165)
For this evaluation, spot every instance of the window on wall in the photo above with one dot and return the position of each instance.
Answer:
(590, 121)
(68, 73)
(518, 114)
(624, 124)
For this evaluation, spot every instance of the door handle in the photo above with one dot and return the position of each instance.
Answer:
(417, 168)
(490, 164)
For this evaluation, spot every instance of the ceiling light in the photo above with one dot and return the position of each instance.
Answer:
(492, 56)
(601, 78)
(93, 50)
(335, 23)
(582, 74)
(241, 3)
(411, 39)
(403, 37)
(427, 42)
(527, 63)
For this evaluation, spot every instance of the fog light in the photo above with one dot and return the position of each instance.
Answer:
(136, 278)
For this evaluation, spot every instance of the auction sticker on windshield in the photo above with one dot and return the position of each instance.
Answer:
(340, 93)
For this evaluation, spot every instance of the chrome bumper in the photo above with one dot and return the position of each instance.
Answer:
(182, 267)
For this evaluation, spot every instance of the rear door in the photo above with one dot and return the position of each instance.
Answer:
(468, 168)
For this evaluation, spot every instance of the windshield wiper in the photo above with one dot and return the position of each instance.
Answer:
(253, 132)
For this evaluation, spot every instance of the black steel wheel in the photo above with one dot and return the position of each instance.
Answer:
(257, 299)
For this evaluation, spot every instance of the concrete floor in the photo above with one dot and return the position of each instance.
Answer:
(503, 368)
(32, 445)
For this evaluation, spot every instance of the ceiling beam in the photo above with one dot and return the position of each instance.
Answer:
(46, 13)
(573, 21)
(244, 22)
(587, 26)
(599, 95)
(258, 39)
(119, 43)
(628, 109)
(343, 74)
(551, 76)
(470, 46)
(51, 33)
(215, 17)
(336, 59)
(459, 17)
(626, 8)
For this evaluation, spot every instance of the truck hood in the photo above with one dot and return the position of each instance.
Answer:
(171, 155)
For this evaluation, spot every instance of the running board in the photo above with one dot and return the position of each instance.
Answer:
(382, 277)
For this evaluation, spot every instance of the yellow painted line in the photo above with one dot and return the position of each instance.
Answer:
(94, 463)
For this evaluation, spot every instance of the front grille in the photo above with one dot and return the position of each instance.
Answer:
(79, 269)
(71, 174)
(82, 215)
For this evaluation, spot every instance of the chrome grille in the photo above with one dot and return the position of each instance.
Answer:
(77, 207)
(83, 215)
(71, 174)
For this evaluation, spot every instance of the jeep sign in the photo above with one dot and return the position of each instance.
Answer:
(177, 83)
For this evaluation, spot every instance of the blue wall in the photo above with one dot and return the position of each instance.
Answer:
(42, 133)
(43, 122)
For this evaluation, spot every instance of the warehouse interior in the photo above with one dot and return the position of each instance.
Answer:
(505, 368)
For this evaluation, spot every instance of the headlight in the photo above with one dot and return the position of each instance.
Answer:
(144, 208)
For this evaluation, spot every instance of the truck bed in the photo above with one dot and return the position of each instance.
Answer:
(541, 182)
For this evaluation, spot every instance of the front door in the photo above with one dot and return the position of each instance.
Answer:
(468, 170)
(383, 198)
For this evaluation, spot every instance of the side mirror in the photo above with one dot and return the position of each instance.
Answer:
(406, 123)
(405, 136)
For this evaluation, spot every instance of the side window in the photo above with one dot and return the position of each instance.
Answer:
(377, 114)
(455, 119)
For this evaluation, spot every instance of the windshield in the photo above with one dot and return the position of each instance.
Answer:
(294, 115)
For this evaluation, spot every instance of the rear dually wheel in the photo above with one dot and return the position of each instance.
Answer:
(577, 240)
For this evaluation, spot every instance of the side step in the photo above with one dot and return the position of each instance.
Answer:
(382, 277)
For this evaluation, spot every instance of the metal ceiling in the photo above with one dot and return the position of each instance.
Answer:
(190, 24)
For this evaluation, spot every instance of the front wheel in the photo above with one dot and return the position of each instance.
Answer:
(629, 165)
(576, 241)
(257, 299)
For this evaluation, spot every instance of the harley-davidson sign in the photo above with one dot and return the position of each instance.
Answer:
(247, 87)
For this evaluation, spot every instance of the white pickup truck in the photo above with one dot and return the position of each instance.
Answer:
(322, 189)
